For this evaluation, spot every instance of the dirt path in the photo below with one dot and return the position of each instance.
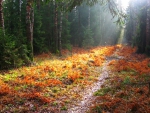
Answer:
(83, 105)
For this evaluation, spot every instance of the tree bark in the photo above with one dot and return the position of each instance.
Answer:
(79, 42)
(147, 48)
(60, 32)
(89, 18)
(30, 24)
(19, 12)
(38, 4)
(142, 40)
(56, 28)
(1, 16)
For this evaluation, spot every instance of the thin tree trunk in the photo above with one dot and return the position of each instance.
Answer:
(79, 28)
(75, 18)
(147, 49)
(142, 40)
(1, 16)
(60, 32)
(19, 10)
(89, 18)
(30, 23)
(38, 4)
(66, 13)
(100, 26)
(56, 28)
(50, 29)
(79, 23)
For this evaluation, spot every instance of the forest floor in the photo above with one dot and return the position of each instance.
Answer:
(108, 79)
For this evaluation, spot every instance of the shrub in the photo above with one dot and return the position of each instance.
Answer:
(12, 53)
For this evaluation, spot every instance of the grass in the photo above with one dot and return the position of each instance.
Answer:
(102, 91)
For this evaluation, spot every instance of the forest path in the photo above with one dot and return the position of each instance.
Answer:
(58, 85)
(87, 99)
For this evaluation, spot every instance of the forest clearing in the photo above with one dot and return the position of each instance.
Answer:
(56, 84)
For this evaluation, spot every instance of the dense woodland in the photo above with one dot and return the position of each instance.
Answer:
(138, 28)
(33, 27)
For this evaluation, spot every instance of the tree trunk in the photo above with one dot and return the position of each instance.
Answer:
(79, 42)
(56, 28)
(147, 48)
(100, 26)
(142, 39)
(38, 4)
(30, 23)
(1, 16)
(19, 11)
(75, 40)
(60, 32)
(20, 2)
(89, 18)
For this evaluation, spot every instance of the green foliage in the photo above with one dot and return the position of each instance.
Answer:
(88, 38)
(67, 46)
(39, 39)
(7, 48)
(57, 51)
(127, 80)
(66, 35)
(97, 109)
(54, 103)
(145, 77)
(102, 91)
(64, 108)
(11, 54)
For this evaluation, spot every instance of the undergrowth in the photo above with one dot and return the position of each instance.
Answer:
(49, 85)
(127, 89)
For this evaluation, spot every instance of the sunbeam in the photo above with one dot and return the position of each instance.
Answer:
(124, 3)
